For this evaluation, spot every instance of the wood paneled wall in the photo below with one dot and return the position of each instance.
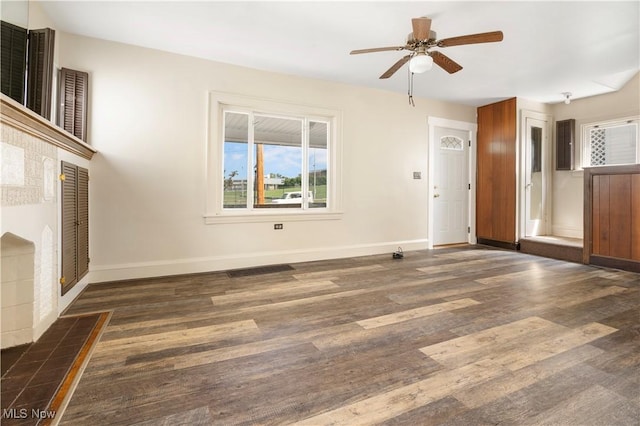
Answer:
(496, 191)
(612, 216)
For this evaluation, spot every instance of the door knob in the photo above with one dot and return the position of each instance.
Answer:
(436, 195)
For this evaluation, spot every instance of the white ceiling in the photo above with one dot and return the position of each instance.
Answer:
(586, 48)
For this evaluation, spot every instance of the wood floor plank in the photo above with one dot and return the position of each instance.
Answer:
(336, 273)
(471, 343)
(424, 311)
(477, 396)
(390, 404)
(425, 294)
(279, 290)
(194, 417)
(523, 357)
(587, 408)
(143, 343)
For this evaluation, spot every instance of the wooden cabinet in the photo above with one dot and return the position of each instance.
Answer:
(565, 144)
(612, 216)
(496, 179)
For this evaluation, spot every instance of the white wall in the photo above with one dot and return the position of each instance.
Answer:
(148, 120)
(568, 185)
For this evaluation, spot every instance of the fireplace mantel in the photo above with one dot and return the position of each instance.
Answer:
(16, 115)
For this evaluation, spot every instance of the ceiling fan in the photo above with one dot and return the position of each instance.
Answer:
(421, 40)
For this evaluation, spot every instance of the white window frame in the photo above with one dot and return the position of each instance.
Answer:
(586, 139)
(220, 102)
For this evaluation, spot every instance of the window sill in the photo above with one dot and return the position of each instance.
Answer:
(260, 217)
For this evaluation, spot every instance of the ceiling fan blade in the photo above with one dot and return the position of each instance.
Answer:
(376, 49)
(395, 67)
(471, 39)
(445, 62)
(421, 28)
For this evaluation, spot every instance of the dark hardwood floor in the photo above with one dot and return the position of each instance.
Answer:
(455, 336)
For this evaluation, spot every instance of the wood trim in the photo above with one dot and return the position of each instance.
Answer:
(499, 244)
(65, 391)
(615, 262)
(15, 115)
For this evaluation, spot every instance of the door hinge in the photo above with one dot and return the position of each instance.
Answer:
(469, 143)
(469, 186)
(62, 280)
(468, 229)
(62, 176)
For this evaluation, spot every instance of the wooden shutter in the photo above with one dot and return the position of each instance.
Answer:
(73, 94)
(69, 229)
(40, 71)
(13, 61)
(75, 225)
(83, 222)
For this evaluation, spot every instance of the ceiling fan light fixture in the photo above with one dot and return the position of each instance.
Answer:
(420, 63)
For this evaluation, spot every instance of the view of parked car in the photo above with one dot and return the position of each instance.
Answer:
(294, 197)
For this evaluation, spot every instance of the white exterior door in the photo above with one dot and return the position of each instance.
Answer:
(450, 186)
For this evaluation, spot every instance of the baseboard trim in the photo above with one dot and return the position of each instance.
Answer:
(614, 262)
(107, 273)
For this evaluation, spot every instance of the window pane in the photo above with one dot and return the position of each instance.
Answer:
(613, 145)
(317, 161)
(277, 159)
(236, 148)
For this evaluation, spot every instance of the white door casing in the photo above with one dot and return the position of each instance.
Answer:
(536, 174)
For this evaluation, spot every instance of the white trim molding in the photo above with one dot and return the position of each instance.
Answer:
(107, 273)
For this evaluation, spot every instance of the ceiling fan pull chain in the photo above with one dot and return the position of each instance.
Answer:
(410, 90)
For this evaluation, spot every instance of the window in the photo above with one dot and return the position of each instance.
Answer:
(273, 158)
(609, 143)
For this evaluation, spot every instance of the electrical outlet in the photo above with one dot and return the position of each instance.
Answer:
(277, 226)
(417, 175)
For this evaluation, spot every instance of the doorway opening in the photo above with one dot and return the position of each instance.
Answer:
(535, 184)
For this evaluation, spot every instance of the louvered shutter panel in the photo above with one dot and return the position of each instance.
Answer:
(13, 60)
(69, 228)
(83, 222)
(73, 93)
(40, 71)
